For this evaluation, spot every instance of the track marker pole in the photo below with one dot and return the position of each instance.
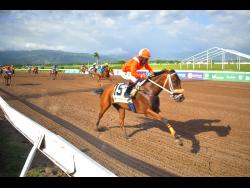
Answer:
(32, 153)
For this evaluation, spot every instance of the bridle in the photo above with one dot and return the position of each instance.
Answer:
(172, 90)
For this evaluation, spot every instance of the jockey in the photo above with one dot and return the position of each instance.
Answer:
(92, 67)
(54, 68)
(8, 70)
(136, 63)
(102, 68)
(83, 69)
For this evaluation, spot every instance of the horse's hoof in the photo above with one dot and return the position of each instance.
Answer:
(128, 138)
(178, 140)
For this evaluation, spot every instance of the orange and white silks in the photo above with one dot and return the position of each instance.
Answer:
(132, 66)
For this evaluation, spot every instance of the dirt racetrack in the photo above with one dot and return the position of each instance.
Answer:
(214, 122)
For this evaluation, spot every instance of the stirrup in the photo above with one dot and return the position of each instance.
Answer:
(130, 97)
(126, 95)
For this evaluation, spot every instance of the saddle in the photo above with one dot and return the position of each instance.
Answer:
(119, 90)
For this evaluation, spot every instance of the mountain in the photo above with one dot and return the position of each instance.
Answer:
(49, 57)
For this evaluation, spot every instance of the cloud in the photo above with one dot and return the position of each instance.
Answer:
(35, 46)
(115, 51)
(168, 33)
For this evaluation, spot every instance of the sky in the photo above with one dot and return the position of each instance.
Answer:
(168, 34)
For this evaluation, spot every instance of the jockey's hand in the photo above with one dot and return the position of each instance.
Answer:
(144, 76)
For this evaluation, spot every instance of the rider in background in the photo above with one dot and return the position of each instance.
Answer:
(54, 68)
(136, 63)
(8, 69)
(102, 68)
(92, 67)
(83, 68)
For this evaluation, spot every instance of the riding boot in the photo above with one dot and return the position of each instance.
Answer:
(128, 90)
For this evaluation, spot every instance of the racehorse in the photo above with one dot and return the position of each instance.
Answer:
(7, 78)
(53, 73)
(13, 72)
(92, 72)
(146, 100)
(105, 74)
(35, 70)
(1, 71)
(83, 69)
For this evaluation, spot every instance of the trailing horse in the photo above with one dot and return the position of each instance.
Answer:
(146, 100)
(1, 71)
(35, 71)
(7, 78)
(105, 74)
(83, 69)
(53, 73)
(92, 72)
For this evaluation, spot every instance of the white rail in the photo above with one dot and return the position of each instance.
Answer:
(66, 156)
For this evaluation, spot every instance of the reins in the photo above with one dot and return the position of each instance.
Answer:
(172, 90)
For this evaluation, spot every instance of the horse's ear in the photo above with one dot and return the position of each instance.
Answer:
(172, 71)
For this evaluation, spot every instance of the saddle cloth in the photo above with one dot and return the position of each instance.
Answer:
(118, 94)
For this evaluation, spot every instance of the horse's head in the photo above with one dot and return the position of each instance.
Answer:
(171, 83)
(174, 85)
(111, 70)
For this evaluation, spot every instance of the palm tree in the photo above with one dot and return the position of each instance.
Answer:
(97, 56)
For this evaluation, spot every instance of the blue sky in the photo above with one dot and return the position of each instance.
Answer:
(169, 34)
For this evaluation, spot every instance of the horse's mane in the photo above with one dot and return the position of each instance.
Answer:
(163, 71)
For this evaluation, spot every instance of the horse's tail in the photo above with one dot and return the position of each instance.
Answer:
(99, 91)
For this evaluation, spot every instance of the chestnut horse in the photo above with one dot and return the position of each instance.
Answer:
(1, 71)
(35, 70)
(93, 72)
(83, 69)
(7, 78)
(146, 100)
(53, 73)
(105, 74)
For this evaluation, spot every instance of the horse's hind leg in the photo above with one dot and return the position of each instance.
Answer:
(158, 116)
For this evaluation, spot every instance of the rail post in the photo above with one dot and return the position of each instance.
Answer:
(32, 153)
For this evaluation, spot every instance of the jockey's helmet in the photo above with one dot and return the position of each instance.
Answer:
(145, 53)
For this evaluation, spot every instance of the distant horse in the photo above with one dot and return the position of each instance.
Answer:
(1, 71)
(83, 69)
(13, 72)
(35, 71)
(146, 100)
(105, 74)
(7, 78)
(92, 72)
(53, 73)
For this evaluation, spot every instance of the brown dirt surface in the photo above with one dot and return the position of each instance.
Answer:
(213, 122)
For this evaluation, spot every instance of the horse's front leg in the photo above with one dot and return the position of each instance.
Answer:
(158, 116)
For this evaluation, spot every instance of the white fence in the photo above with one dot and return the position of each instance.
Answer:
(66, 156)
